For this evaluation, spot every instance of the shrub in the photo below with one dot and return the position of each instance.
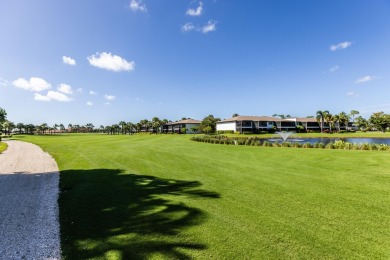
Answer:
(225, 132)
(307, 145)
(330, 146)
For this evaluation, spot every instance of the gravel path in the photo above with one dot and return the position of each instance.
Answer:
(29, 227)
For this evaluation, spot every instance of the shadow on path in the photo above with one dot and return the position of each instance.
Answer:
(107, 213)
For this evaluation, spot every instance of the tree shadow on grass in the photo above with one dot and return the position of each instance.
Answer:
(110, 214)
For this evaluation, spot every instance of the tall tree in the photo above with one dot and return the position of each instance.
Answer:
(380, 121)
(123, 126)
(329, 118)
(320, 116)
(353, 113)
(208, 124)
(343, 119)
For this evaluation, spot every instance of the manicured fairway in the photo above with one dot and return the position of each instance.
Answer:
(148, 196)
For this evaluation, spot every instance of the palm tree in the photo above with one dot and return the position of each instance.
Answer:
(20, 126)
(156, 123)
(129, 127)
(320, 116)
(343, 119)
(123, 125)
(353, 113)
(329, 118)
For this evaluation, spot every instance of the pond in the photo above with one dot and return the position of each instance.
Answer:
(325, 141)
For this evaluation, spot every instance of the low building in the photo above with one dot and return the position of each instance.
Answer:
(253, 124)
(176, 127)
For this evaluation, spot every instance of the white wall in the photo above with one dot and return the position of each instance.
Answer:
(226, 126)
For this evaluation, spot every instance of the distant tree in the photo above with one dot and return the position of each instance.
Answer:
(184, 118)
(156, 123)
(275, 115)
(320, 116)
(380, 121)
(209, 124)
(343, 119)
(362, 123)
(3, 115)
(21, 127)
(353, 113)
(235, 115)
(123, 126)
(310, 117)
(330, 119)
(62, 127)
(281, 116)
(288, 116)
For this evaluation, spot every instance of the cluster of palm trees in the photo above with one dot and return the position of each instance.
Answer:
(144, 125)
(335, 121)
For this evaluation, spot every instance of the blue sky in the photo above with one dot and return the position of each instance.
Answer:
(107, 61)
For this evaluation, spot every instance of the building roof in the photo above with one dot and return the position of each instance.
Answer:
(251, 118)
(185, 121)
(305, 120)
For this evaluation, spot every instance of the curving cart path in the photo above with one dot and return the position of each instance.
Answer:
(29, 227)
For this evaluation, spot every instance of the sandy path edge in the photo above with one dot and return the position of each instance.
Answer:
(29, 227)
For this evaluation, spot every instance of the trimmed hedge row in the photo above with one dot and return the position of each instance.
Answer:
(339, 144)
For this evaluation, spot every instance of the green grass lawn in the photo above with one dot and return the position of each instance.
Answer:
(166, 197)
(3, 147)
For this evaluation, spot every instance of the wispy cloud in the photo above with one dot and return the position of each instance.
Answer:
(195, 12)
(188, 27)
(352, 94)
(91, 92)
(79, 90)
(33, 84)
(3, 82)
(209, 27)
(89, 103)
(109, 97)
(64, 88)
(139, 99)
(52, 95)
(340, 46)
(365, 79)
(110, 62)
(334, 68)
(136, 5)
(68, 60)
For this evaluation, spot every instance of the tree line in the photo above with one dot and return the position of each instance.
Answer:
(377, 121)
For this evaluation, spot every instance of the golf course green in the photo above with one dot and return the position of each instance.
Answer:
(166, 197)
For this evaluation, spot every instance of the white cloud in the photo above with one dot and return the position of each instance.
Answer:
(52, 95)
(136, 5)
(89, 103)
(209, 27)
(110, 62)
(334, 68)
(107, 103)
(3, 82)
(197, 11)
(340, 46)
(68, 60)
(34, 84)
(91, 92)
(365, 79)
(188, 27)
(64, 88)
(79, 90)
(109, 97)
(40, 97)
